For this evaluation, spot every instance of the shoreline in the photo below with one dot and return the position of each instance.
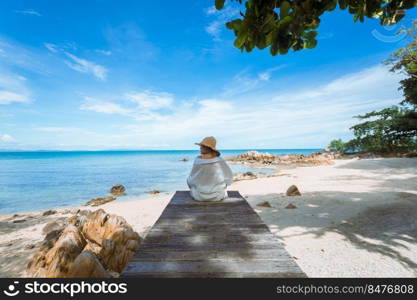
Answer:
(360, 208)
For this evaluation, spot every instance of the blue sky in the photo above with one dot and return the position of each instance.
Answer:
(163, 74)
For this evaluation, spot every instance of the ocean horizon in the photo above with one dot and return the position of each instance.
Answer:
(44, 179)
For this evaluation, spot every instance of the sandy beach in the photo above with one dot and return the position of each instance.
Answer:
(356, 218)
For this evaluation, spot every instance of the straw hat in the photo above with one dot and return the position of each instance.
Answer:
(209, 142)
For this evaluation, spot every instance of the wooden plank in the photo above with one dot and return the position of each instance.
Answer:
(217, 274)
(204, 268)
(207, 239)
(181, 255)
(187, 227)
(216, 239)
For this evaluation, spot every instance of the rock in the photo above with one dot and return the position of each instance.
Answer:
(54, 225)
(15, 215)
(87, 265)
(291, 206)
(19, 221)
(253, 157)
(293, 191)
(69, 211)
(83, 212)
(154, 192)
(100, 201)
(117, 190)
(96, 244)
(184, 159)
(56, 261)
(30, 246)
(264, 204)
(49, 212)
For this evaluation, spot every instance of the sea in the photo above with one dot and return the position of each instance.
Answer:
(39, 180)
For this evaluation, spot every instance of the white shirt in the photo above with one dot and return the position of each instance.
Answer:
(209, 179)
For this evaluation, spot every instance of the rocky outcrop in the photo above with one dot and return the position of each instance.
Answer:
(93, 244)
(255, 157)
(117, 190)
(49, 212)
(100, 201)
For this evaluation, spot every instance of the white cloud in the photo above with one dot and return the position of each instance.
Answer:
(85, 66)
(244, 82)
(7, 138)
(104, 52)
(31, 12)
(150, 100)
(214, 28)
(13, 89)
(57, 129)
(51, 47)
(15, 55)
(299, 118)
(103, 107)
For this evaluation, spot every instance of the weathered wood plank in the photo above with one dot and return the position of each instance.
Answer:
(216, 239)
(207, 239)
(217, 274)
(181, 255)
(213, 267)
(187, 227)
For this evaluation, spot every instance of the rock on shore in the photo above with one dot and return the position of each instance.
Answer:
(255, 157)
(93, 244)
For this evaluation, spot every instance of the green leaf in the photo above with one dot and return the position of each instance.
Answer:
(310, 44)
(219, 4)
(284, 9)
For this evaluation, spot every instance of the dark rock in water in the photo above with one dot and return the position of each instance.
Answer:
(100, 201)
(154, 192)
(15, 215)
(49, 212)
(291, 206)
(117, 190)
(264, 204)
(184, 159)
(19, 221)
(293, 191)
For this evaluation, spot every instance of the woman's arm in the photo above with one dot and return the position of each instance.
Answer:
(228, 174)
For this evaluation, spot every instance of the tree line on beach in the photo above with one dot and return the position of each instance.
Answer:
(284, 25)
(392, 129)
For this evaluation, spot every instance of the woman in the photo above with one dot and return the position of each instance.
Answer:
(210, 174)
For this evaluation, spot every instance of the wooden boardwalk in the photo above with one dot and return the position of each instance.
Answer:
(217, 239)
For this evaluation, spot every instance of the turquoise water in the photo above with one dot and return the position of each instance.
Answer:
(41, 180)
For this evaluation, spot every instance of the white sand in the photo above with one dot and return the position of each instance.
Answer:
(356, 218)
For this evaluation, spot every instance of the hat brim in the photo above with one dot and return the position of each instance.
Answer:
(214, 149)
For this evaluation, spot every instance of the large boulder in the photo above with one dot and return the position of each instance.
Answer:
(95, 244)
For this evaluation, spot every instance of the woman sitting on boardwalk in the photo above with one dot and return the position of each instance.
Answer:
(210, 174)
